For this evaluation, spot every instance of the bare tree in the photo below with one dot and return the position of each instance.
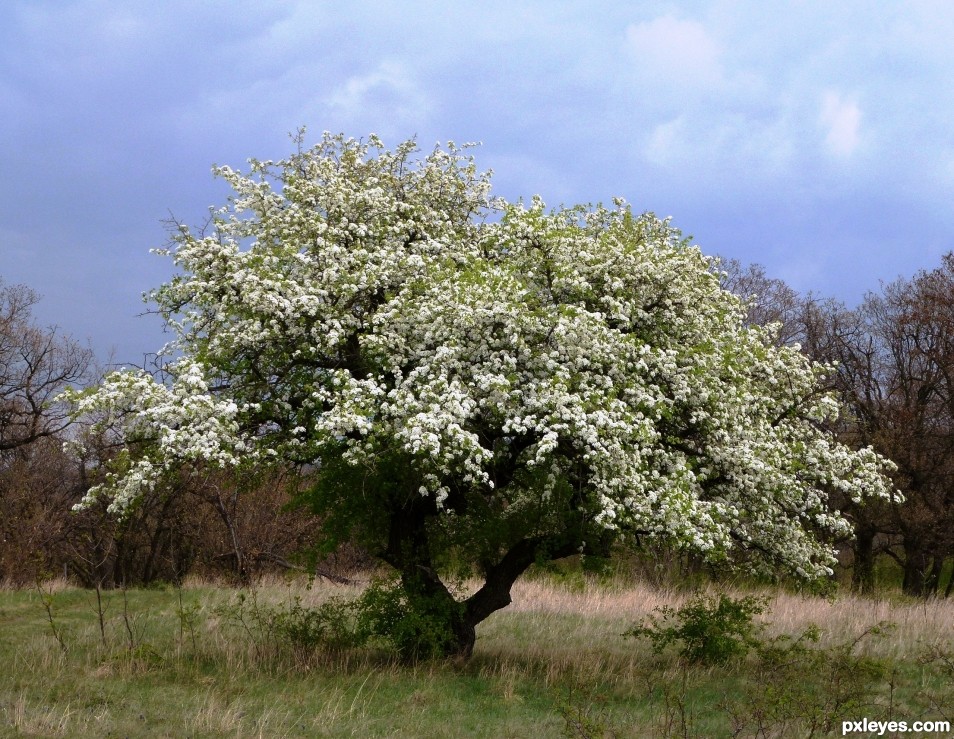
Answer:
(35, 365)
(768, 299)
(895, 370)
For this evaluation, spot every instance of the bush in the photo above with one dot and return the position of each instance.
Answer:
(382, 616)
(418, 630)
(709, 630)
(331, 625)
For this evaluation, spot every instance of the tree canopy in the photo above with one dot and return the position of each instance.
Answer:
(496, 379)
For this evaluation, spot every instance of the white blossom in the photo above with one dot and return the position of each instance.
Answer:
(354, 296)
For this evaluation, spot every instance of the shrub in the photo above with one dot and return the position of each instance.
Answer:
(382, 616)
(419, 630)
(709, 630)
(331, 625)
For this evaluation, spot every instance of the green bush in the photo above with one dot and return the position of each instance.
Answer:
(418, 630)
(708, 630)
(330, 625)
(383, 615)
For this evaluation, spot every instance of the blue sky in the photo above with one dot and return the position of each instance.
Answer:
(812, 137)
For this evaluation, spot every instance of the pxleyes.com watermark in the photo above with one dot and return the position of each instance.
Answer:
(880, 728)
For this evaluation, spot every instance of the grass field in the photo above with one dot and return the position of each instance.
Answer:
(197, 662)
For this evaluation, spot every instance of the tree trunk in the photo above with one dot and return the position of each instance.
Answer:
(934, 576)
(428, 595)
(454, 622)
(918, 572)
(438, 625)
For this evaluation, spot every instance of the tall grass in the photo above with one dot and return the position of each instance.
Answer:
(196, 661)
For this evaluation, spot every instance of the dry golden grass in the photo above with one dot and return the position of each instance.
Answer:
(839, 619)
(628, 599)
(53, 585)
(598, 599)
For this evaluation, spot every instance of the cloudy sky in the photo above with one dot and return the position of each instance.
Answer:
(812, 137)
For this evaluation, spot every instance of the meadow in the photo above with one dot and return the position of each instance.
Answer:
(205, 660)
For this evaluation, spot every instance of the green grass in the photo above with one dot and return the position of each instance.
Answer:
(179, 663)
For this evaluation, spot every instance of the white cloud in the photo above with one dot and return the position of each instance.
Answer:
(842, 119)
(665, 142)
(700, 105)
(388, 93)
(737, 151)
(675, 52)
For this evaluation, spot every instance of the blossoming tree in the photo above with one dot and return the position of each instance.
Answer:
(498, 381)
